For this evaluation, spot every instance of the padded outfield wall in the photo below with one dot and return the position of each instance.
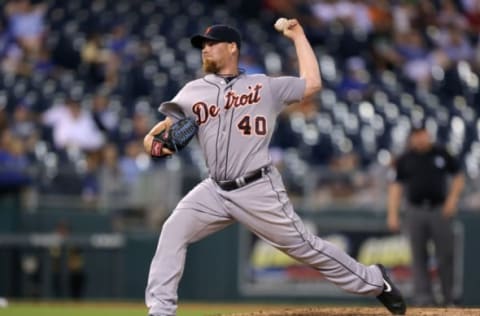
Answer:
(230, 265)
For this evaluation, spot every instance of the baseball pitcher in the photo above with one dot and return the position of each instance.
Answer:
(233, 117)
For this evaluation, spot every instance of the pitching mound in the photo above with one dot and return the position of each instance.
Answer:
(360, 311)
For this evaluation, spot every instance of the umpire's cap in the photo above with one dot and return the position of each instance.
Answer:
(217, 33)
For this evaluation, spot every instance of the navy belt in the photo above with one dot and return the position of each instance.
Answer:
(229, 185)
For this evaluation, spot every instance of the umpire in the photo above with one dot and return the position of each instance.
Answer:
(432, 181)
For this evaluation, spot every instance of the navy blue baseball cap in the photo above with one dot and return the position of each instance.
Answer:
(217, 33)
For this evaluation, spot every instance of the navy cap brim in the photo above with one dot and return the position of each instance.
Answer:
(217, 33)
(197, 40)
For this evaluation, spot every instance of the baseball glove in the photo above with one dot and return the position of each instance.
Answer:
(175, 138)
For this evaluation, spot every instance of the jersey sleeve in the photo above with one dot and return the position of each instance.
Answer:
(400, 172)
(452, 164)
(173, 108)
(287, 89)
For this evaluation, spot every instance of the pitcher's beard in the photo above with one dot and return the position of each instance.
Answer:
(210, 67)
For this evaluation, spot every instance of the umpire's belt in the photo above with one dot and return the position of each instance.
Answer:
(229, 185)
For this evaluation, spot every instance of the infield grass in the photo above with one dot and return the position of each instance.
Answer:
(19, 308)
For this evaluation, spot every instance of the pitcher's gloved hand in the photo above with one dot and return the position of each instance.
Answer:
(175, 138)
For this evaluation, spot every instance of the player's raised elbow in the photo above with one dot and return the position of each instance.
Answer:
(312, 87)
(147, 143)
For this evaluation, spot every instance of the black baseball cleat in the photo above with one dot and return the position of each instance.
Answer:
(391, 296)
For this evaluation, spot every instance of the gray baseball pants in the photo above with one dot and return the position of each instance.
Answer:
(425, 224)
(265, 209)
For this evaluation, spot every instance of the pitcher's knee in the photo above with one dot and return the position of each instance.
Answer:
(175, 231)
(300, 251)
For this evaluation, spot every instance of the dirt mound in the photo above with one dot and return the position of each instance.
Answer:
(360, 311)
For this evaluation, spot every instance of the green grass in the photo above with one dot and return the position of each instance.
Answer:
(26, 310)
(17, 308)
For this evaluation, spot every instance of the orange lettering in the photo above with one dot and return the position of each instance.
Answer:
(244, 99)
(214, 110)
(203, 111)
(200, 110)
(236, 100)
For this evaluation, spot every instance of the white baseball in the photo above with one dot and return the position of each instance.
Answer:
(281, 24)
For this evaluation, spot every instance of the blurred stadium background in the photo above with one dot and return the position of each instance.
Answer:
(81, 204)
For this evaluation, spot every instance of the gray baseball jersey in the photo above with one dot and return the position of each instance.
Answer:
(236, 119)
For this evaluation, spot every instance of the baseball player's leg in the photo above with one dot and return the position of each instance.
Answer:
(442, 234)
(418, 231)
(266, 210)
(198, 215)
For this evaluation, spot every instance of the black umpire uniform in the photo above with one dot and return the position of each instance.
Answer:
(424, 172)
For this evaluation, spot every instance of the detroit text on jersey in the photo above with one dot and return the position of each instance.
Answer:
(232, 99)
